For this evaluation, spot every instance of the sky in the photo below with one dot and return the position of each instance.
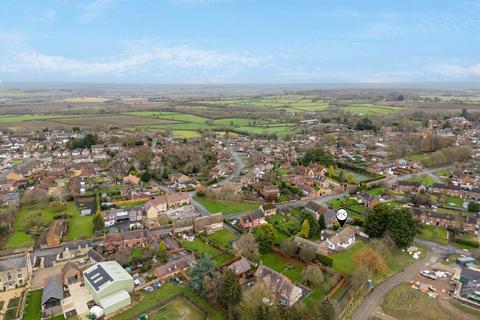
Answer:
(240, 41)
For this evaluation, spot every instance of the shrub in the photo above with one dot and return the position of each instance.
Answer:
(468, 243)
(325, 260)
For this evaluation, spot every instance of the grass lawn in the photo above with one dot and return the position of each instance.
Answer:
(455, 202)
(433, 233)
(376, 191)
(33, 308)
(158, 297)
(80, 228)
(291, 268)
(357, 176)
(222, 258)
(405, 303)
(425, 179)
(316, 294)
(224, 237)
(186, 133)
(177, 309)
(19, 239)
(343, 262)
(225, 207)
(199, 247)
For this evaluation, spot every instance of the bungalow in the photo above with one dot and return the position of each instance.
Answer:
(174, 267)
(208, 224)
(252, 219)
(183, 225)
(341, 240)
(284, 290)
(178, 178)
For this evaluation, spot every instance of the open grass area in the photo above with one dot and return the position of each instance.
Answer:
(368, 108)
(221, 259)
(343, 261)
(147, 301)
(186, 133)
(225, 207)
(33, 307)
(425, 179)
(224, 237)
(79, 227)
(177, 309)
(199, 247)
(357, 176)
(404, 302)
(434, 233)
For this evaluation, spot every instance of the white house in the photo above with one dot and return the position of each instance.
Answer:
(342, 240)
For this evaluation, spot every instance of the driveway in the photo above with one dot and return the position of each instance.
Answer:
(370, 305)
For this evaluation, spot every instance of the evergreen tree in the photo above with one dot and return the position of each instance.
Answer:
(204, 267)
(305, 229)
(230, 290)
(401, 227)
(322, 225)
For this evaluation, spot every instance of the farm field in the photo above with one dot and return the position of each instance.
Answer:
(31, 117)
(145, 302)
(368, 108)
(225, 207)
(177, 309)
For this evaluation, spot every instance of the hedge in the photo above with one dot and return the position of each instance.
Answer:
(325, 260)
(468, 243)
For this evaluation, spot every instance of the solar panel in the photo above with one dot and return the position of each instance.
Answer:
(98, 277)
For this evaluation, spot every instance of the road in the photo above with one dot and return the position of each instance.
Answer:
(372, 301)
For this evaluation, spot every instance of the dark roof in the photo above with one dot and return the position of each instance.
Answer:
(445, 186)
(12, 262)
(52, 288)
(98, 277)
(406, 183)
(94, 255)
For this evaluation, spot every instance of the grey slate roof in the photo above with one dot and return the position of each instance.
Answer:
(52, 288)
(12, 262)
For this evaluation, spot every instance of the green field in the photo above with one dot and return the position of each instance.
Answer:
(357, 176)
(79, 227)
(223, 237)
(33, 307)
(433, 233)
(177, 309)
(368, 108)
(404, 302)
(144, 302)
(226, 207)
(30, 117)
(424, 179)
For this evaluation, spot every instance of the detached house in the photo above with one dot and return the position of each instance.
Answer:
(367, 199)
(252, 219)
(174, 267)
(284, 290)
(342, 240)
(161, 204)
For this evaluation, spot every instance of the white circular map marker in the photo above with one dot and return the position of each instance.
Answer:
(342, 216)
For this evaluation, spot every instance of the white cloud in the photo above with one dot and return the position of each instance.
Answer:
(454, 70)
(93, 9)
(20, 58)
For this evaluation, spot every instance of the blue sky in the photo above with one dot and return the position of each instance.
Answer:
(240, 41)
